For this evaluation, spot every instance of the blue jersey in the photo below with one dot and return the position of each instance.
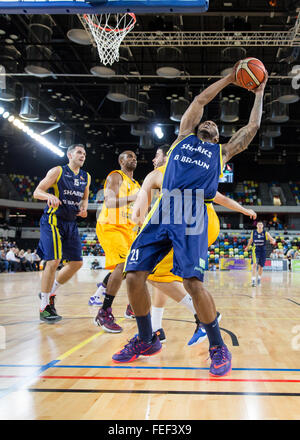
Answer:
(193, 164)
(259, 239)
(69, 188)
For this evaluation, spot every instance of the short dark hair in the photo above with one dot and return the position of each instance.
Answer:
(164, 148)
(72, 147)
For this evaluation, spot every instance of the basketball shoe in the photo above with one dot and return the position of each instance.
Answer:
(220, 361)
(95, 299)
(129, 314)
(200, 333)
(105, 319)
(161, 335)
(49, 314)
(136, 348)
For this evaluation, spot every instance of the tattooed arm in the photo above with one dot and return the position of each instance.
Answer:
(243, 137)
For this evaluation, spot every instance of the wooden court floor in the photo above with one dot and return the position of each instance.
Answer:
(64, 371)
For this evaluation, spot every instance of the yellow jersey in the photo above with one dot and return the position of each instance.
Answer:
(121, 215)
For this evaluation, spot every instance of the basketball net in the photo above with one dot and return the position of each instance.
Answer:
(108, 32)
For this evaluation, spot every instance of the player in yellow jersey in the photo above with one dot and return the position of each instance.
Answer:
(115, 232)
(165, 283)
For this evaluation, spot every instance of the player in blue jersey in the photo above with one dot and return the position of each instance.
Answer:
(179, 220)
(258, 241)
(66, 191)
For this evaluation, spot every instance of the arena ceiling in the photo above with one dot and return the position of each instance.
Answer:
(72, 101)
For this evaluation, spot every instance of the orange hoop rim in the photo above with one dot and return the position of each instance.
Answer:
(87, 19)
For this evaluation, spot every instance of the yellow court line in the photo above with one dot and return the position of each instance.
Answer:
(83, 343)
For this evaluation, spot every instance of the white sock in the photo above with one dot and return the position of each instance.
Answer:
(253, 278)
(188, 303)
(156, 317)
(100, 291)
(55, 286)
(259, 277)
(44, 300)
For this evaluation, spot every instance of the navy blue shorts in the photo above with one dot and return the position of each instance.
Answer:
(59, 239)
(156, 239)
(260, 257)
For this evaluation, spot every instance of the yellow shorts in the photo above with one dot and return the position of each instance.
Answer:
(162, 272)
(116, 242)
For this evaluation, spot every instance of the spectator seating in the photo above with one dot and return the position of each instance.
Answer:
(232, 245)
(295, 188)
(26, 185)
(245, 193)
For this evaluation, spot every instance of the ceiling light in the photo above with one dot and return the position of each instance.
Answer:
(158, 132)
(5, 115)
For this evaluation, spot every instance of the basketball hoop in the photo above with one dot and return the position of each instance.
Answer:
(108, 32)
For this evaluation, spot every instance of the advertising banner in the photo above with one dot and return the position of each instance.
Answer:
(276, 265)
(295, 265)
(235, 264)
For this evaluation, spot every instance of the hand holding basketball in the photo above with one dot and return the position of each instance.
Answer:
(250, 74)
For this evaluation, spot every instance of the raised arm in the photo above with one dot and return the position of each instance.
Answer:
(194, 113)
(49, 180)
(140, 208)
(111, 192)
(233, 205)
(243, 137)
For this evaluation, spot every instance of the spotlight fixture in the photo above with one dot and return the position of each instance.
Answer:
(31, 133)
(158, 132)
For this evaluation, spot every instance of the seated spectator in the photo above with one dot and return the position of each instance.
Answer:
(29, 259)
(4, 264)
(36, 260)
(23, 262)
(14, 262)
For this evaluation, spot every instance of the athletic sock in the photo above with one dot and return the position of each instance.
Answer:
(44, 300)
(99, 291)
(108, 300)
(197, 320)
(156, 318)
(253, 279)
(105, 281)
(55, 286)
(145, 328)
(188, 303)
(213, 333)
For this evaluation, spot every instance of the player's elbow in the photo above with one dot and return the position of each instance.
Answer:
(35, 194)
(254, 126)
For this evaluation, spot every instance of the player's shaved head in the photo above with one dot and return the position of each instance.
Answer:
(127, 159)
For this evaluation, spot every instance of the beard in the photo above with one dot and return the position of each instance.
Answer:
(131, 166)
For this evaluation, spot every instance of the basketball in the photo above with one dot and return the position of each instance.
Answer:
(250, 73)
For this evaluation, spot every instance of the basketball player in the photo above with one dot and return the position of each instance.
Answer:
(164, 282)
(66, 190)
(116, 232)
(259, 238)
(194, 162)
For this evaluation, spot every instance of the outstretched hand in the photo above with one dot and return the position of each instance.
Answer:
(261, 87)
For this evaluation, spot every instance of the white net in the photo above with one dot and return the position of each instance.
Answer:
(108, 32)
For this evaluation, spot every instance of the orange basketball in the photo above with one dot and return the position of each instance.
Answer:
(250, 73)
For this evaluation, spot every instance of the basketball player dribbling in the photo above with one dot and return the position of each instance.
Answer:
(259, 238)
(194, 165)
(59, 239)
(116, 232)
(165, 283)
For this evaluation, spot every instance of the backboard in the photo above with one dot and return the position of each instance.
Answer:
(102, 7)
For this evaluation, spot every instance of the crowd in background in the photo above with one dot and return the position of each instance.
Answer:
(13, 259)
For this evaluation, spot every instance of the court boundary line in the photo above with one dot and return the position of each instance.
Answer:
(145, 367)
(213, 393)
